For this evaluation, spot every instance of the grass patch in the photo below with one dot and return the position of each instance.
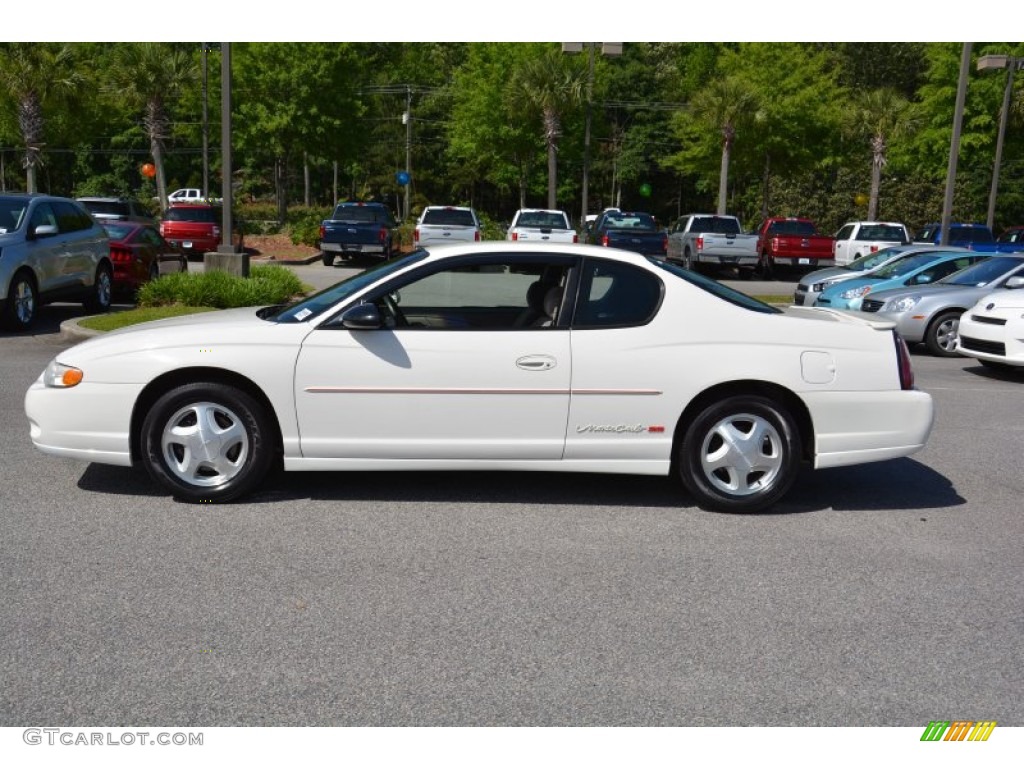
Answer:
(114, 320)
(266, 284)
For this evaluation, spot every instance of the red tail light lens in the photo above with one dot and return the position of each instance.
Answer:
(476, 236)
(700, 242)
(382, 235)
(121, 255)
(664, 244)
(604, 240)
(903, 362)
(416, 235)
(515, 235)
(575, 238)
(322, 231)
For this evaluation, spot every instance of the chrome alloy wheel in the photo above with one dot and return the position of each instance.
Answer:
(24, 302)
(205, 444)
(742, 454)
(946, 333)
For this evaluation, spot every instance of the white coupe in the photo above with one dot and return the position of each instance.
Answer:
(492, 356)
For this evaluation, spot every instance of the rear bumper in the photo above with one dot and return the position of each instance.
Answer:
(804, 261)
(727, 260)
(351, 248)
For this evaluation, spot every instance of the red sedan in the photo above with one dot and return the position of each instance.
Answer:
(140, 254)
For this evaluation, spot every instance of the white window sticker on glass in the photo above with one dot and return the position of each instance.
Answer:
(303, 314)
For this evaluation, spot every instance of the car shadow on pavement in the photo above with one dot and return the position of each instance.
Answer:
(889, 485)
(1011, 373)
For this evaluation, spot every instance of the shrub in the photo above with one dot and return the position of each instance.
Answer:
(266, 284)
(304, 224)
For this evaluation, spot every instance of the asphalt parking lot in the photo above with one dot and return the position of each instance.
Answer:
(889, 594)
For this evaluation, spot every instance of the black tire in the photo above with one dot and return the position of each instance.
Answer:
(687, 259)
(328, 259)
(764, 443)
(22, 302)
(243, 444)
(765, 267)
(101, 293)
(940, 336)
(154, 270)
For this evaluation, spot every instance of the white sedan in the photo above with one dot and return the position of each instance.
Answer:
(992, 331)
(492, 356)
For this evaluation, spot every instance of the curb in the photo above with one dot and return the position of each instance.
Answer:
(72, 330)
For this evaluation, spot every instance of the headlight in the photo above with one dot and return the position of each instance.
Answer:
(61, 376)
(819, 287)
(855, 293)
(904, 304)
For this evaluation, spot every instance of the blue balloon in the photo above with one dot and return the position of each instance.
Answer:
(402, 177)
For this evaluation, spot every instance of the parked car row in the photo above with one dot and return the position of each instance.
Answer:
(58, 249)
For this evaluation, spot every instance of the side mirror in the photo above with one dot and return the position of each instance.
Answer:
(922, 279)
(362, 317)
(44, 230)
(1015, 282)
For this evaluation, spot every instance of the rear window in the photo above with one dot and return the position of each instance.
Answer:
(715, 225)
(361, 214)
(449, 216)
(203, 215)
(109, 207)
(118, 231)
(542, 219)
(798, 228)
(882, 232)
(635, 221)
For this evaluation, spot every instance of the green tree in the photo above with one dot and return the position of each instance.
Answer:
(553, 84)
(152, 76)
(879, 116)
(34, 74)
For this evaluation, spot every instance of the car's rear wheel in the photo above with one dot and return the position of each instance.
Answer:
(101, 294)
(328, 259)
(940, 337)
(207, 442)
(22, 302)
(740, 454)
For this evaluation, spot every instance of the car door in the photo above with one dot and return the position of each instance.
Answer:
(461, 371)
(46, 253)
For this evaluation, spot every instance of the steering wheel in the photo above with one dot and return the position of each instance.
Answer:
(391, 303)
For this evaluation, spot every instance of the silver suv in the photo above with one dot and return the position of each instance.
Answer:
(51, 249)
(117, 209)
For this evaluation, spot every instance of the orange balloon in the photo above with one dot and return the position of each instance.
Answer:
(149, 170)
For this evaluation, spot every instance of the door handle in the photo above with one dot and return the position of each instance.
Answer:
(536, 363)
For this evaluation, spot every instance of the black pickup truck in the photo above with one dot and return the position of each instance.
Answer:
(358, 229)
(630, 231)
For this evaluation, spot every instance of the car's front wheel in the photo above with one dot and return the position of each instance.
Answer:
(207, 442)
(740, 454)
(22, 302)
(940, 338)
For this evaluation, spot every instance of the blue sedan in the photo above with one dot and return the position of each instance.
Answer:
(919, 269)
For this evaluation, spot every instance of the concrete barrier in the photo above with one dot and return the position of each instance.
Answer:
(232, 263)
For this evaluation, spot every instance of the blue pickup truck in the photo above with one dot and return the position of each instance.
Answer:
(358, 229)
(630, 231)
(977, 237)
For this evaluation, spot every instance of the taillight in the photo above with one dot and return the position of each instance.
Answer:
(515, 235)
(416, 235)
(664, 244)
(604, 240)
(775, 244)
(476, 236)
(323, 231)
(575, 238)
(874, 249)
(903, 362)
(700, 242)
(382, 235)
(120, 255)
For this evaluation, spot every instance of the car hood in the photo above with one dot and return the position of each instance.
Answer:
(1007, 298)
(934, 289)
(825, 274)
(202, 329)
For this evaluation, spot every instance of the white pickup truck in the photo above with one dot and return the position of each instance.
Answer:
(541, 225)
(446, 224)
(706, 238)
(860, 238)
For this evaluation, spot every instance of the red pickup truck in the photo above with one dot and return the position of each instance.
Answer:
(794, 243)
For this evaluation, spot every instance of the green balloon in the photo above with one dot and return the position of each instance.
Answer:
(645, 190)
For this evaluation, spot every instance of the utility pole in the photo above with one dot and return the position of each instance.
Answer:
(954, 144)
(407, 117)
(206, 125)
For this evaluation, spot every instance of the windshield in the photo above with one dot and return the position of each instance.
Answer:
(716, 288)
(12, 211)
(327, 298)
(908, 264)
(872, 260)
(984, 272)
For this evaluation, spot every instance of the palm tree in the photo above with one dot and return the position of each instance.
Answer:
(33, 73)
(880, 115)
(150, 74)
(725, 105)
(552, 83)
